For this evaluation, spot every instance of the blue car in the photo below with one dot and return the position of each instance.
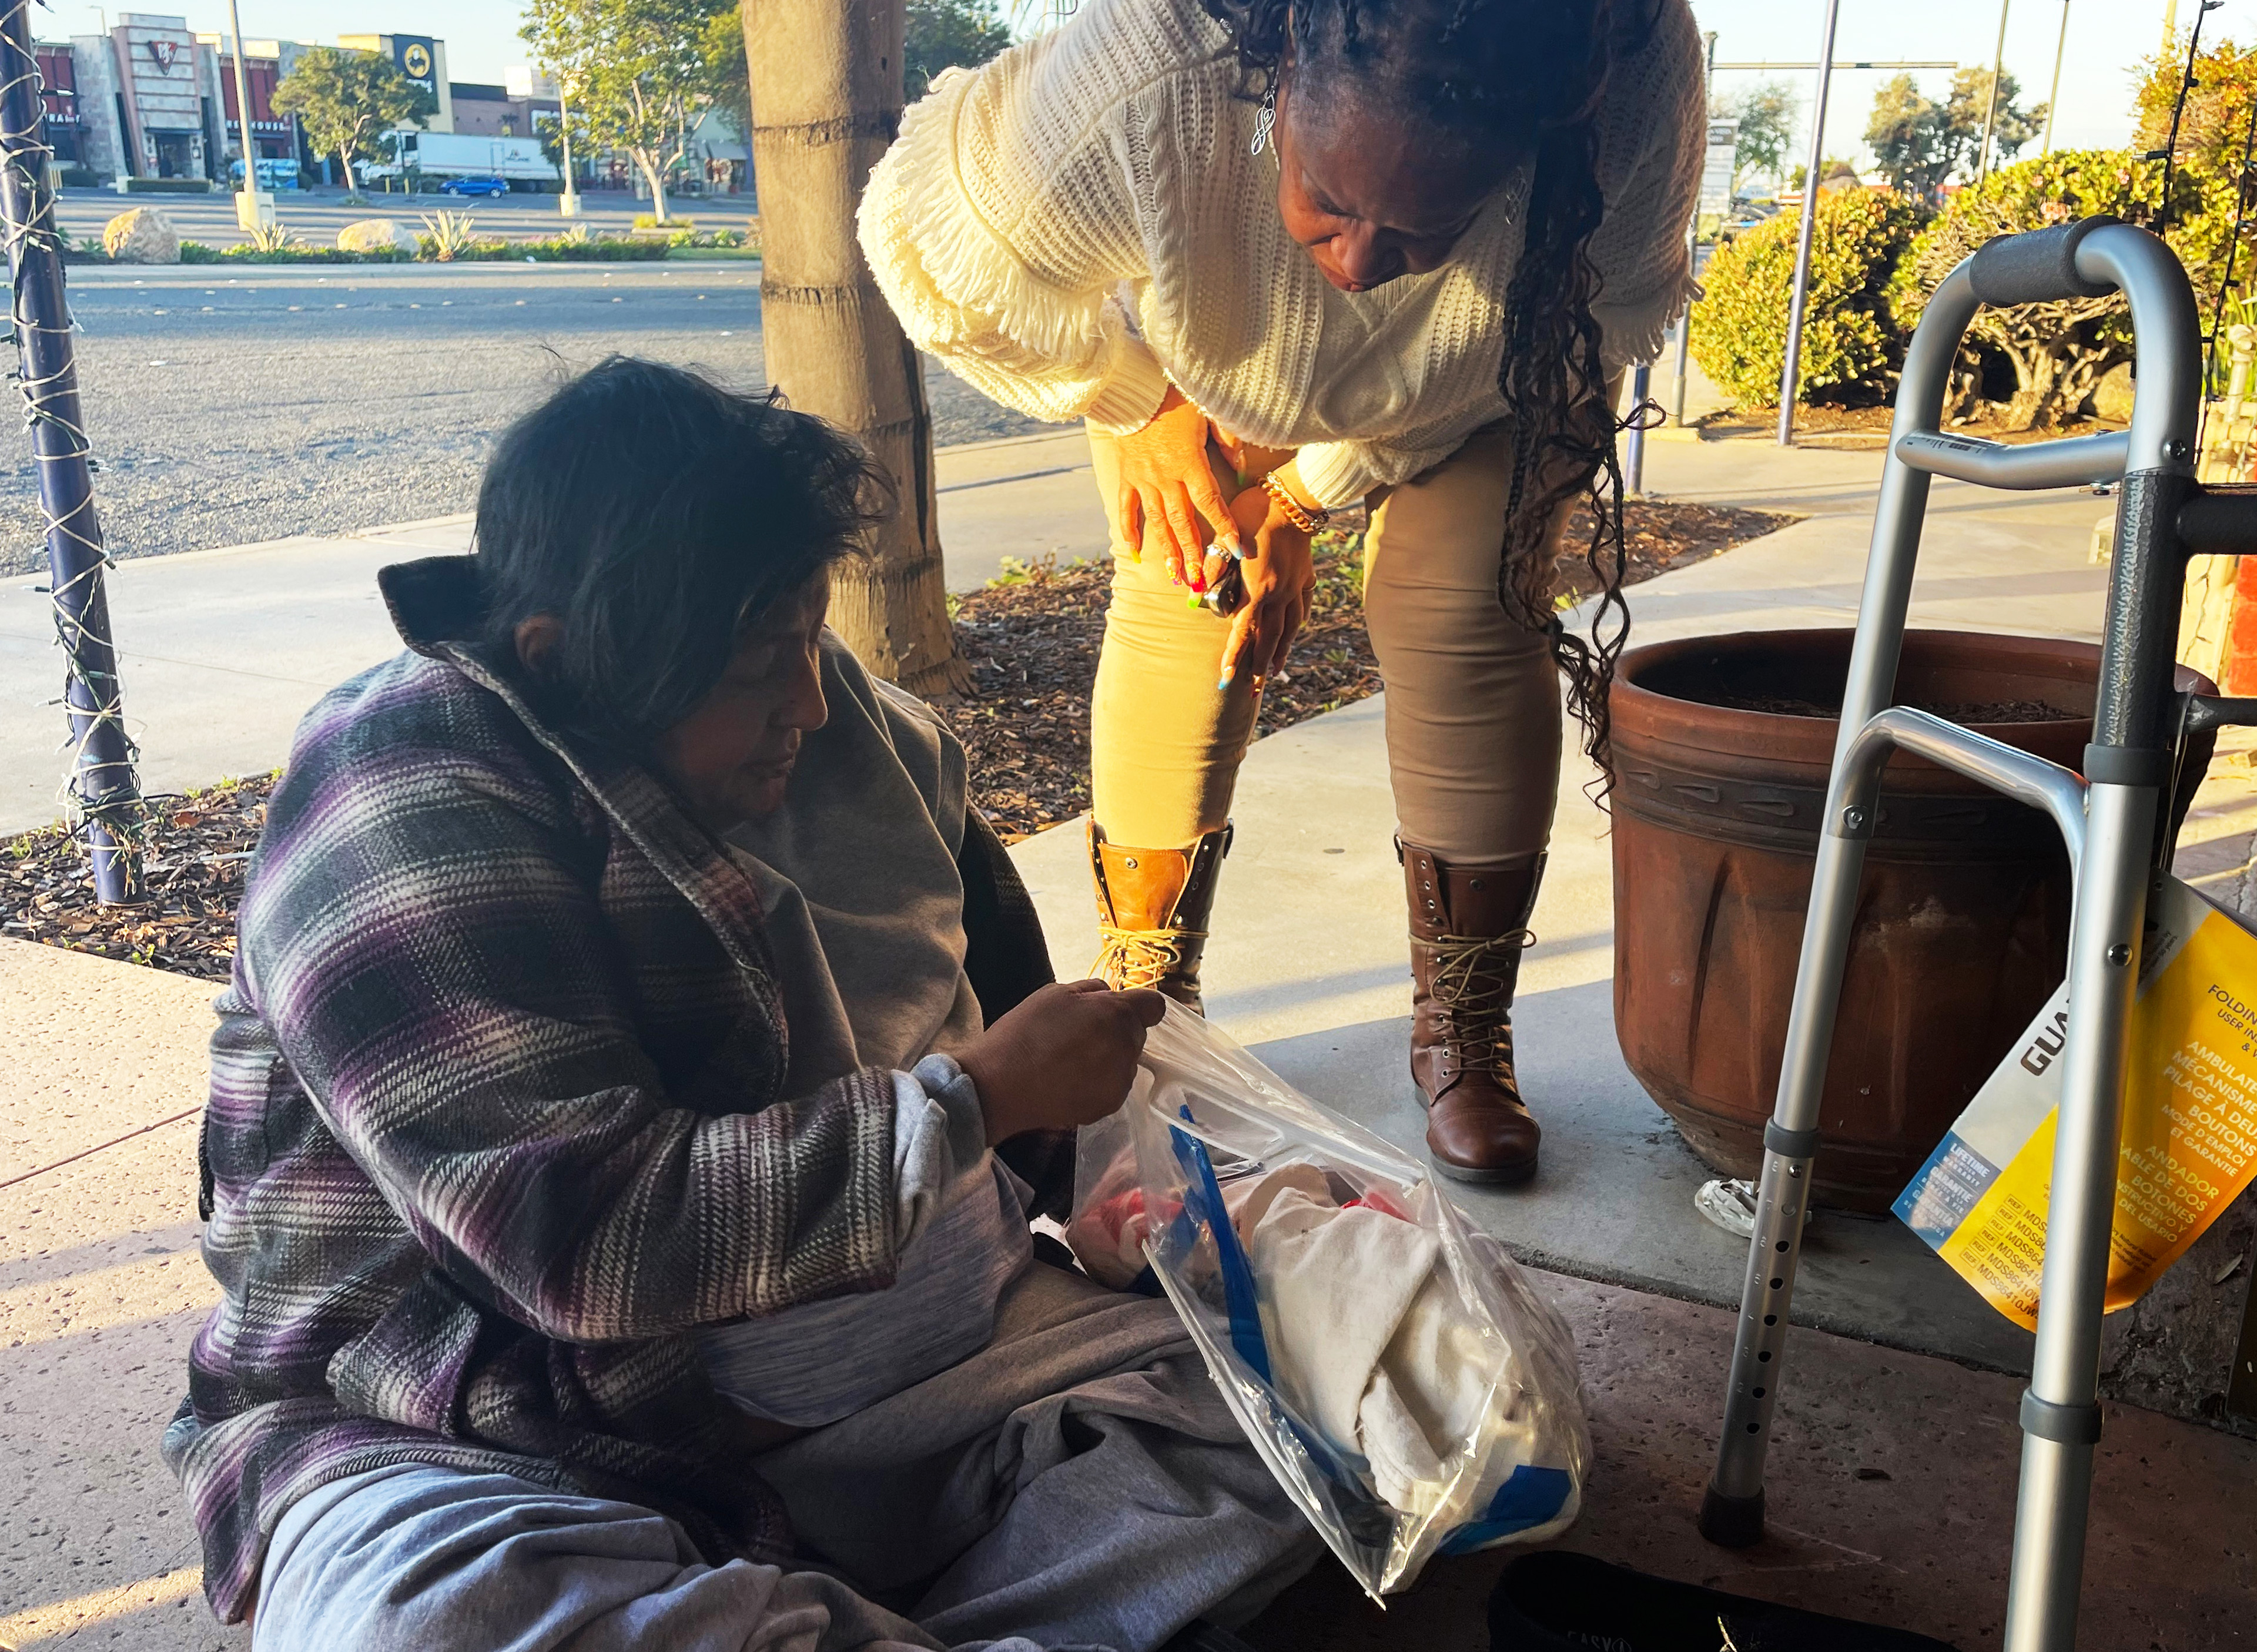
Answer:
(487, 187)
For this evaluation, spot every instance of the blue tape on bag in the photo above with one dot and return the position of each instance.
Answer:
(1529, 1497)
(1203, 1204)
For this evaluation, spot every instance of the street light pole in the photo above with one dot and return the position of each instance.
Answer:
(569, 202)
(254, 208)
(1791, 370)
(1991, 110)
(2053, 97)
(108, 796)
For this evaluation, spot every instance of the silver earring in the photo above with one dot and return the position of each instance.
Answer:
(1266, 121)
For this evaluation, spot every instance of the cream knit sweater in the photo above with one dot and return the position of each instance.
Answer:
(1080, 222)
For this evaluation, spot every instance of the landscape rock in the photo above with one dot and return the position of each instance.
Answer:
(369, 234)
(142, 235)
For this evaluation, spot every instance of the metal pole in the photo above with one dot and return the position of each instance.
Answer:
(1641, 385)
(1991, 110)
(1692, 251)
(1791, 370)
(249, 202)
(103, 785)
(2053, 97)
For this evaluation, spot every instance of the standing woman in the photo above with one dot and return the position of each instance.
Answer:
(1286, 259)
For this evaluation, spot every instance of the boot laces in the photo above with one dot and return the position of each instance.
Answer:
(1131, 958)
(1472, 982)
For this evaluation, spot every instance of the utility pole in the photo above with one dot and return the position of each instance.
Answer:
(2053, 97)
(102, 786)
(254, 208)
(1791, 370)
(1991, 110)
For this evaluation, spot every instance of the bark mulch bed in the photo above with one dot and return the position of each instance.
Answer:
(1032, 637)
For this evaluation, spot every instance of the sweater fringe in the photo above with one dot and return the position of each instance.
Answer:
(961, 288)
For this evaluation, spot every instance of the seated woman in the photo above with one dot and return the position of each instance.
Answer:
(599, 1161)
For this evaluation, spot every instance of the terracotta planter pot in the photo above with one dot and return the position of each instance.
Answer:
(1962, 927)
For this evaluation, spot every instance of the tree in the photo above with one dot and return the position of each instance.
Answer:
(1919, 143)
(827, 102)
(2060, 351)
(347, 99)
(2214, 124)
(945, 33)
(1970, 106)
(728, 87)
(636, 72)
(1910, 139)
(1765, 112)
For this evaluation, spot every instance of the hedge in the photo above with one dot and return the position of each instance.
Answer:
(1849, 337)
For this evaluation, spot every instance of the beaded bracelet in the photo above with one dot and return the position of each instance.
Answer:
(1308, 518)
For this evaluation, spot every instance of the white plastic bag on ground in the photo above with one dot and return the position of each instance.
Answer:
(1389, 1362)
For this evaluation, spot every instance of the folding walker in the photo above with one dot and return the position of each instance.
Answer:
(2114, 818)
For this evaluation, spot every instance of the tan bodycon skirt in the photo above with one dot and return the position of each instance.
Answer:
(1473, 698)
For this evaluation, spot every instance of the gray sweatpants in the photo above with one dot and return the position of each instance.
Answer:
(1076, 1484)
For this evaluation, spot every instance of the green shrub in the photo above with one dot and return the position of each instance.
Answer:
(2057, 353)
(295, 252)
(1848, 341)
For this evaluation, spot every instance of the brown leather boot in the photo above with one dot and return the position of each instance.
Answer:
(1151, 912)
(1468, 927)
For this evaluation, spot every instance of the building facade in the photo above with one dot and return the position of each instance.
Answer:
(422, 59)
(264, 62)
(147, 99)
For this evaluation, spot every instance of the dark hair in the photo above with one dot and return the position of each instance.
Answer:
(656, 515)
(1518, 79)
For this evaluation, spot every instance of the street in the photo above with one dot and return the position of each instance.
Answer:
(232, 404)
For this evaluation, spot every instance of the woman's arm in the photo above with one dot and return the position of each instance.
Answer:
(1000, 228)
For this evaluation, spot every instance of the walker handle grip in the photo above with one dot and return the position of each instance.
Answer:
(2038, 266)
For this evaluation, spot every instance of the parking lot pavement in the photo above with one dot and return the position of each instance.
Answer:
(229, 405)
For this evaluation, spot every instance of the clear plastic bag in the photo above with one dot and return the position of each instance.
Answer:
(1389, 1363)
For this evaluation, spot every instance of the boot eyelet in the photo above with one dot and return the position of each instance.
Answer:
(1130, 862)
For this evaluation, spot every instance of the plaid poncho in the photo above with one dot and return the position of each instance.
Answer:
(494, 1120)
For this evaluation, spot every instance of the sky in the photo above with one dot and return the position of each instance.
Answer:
(2105, 38)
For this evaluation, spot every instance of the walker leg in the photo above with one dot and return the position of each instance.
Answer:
(1732, 1509)
(2127, 768)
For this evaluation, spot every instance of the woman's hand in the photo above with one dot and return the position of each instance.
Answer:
(1063, 1058)
(1279, 574)
(1168, 494)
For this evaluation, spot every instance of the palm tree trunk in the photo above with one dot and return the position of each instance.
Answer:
(826, 89)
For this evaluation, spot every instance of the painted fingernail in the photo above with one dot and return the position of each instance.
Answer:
(1199, 582)
(1225, 683)
(1195, 602)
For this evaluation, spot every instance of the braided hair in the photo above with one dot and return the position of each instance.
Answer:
(1512, 79)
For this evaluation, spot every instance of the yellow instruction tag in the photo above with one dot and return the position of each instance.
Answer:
(2189, 1135)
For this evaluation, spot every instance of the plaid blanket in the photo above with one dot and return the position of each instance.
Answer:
(495, 1120)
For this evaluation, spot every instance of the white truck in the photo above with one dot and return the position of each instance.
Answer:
(464, 155)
